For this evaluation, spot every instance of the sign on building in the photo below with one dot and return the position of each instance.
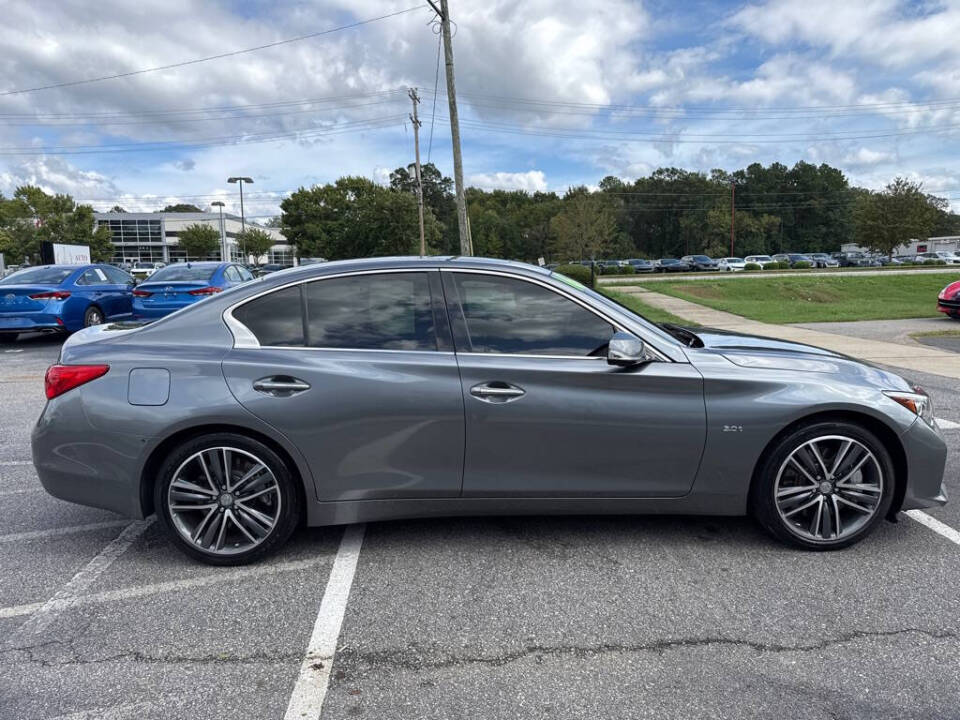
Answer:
(60, 254)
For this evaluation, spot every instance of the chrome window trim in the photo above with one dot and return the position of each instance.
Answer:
(243, 338)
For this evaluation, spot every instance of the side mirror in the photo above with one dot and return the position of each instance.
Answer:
(625, 350)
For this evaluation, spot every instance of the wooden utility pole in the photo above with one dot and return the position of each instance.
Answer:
(733, 213)
(444, 12)
(416, 144)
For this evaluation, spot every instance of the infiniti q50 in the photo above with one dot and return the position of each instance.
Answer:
(407, 387)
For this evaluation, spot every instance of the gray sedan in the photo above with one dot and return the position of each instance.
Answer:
(398, 388)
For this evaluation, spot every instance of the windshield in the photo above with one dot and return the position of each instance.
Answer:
(44, 275)
(701, 258)
(734, 260)
(174, 273)
(762, 258)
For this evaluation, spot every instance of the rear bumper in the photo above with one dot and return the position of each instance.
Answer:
(926, 459)
(33, 322)
(146, 312)
(80, 463)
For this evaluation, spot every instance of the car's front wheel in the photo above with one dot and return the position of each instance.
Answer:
(7, 337)
(226, 499)
(824, 486)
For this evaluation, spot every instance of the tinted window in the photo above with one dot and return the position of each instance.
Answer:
(93, 276)
(116, 276)
(231, 274)
(385, 311)
(275, 319)
(504, 315)
(184, 272)
(244, 273)
(46, 275)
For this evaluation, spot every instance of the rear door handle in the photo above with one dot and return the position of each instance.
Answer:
(497, 392)
(280, 386)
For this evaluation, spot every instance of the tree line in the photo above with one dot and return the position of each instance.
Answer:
(669, 213)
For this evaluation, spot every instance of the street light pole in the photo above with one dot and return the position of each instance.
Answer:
(224, 250)
(733, 212)
(243, 225)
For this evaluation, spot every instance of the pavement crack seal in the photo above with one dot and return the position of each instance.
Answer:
(404, 659)
(32, 658)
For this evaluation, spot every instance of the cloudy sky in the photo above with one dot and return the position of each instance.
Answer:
(552, 93)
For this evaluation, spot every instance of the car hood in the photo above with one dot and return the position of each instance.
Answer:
(764, 353)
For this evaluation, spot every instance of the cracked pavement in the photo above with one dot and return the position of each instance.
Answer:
(576, 617)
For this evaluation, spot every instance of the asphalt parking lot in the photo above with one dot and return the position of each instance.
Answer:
(579, 617)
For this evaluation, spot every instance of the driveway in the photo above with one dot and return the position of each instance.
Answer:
(895, 331)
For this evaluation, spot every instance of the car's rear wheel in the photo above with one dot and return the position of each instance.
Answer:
(7, 337)
(825, 486)
(93, 316)
(226, 499)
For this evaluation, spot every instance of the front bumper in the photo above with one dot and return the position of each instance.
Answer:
(926, 455)
(951, 307)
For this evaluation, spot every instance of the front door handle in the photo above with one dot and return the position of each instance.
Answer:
(497, 392)
(280, 386)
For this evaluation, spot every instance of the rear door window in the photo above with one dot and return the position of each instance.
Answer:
(276, 319)
(378, 311)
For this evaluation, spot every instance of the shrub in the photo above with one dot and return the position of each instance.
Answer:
(939, 262)
(575, 272)
(780, 266)
(627, 270)
(752, 266)
(802, 265)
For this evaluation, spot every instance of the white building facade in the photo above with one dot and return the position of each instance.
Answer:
(153, 237)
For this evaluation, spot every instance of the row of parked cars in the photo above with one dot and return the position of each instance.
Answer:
(66, 298)
(703, 263)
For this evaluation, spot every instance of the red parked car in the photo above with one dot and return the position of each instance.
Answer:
(948, 301)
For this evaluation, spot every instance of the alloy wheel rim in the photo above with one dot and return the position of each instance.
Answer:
(95, 319)
(224, 500)
(828, 488)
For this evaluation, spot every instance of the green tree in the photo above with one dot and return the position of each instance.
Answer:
(355, 217)
(32, 216)
(584, 227)
(890, 218)
(199, 240)
(182, 207)
(255, 242)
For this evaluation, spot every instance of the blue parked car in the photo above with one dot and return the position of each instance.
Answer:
(63, 298)
(182, 284)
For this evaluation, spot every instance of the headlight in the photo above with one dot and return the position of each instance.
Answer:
(917, 402)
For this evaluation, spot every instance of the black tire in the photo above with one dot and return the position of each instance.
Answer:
(7, 337)
(763, 505)
(93, 316)
(289, 497)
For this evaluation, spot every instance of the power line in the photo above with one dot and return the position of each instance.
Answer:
(355, 126)
(219, 56)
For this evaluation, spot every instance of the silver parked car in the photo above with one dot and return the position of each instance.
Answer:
(396, 388)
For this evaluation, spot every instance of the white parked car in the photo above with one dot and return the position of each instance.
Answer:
(143, 269)
(731, 264)
(761, 260)
(948, 257)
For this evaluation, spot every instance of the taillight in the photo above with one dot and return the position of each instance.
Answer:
(142, 293)
(61, 378)
(51, 295)
(205, 291)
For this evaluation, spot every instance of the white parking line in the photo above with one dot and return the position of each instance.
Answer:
(48, 612)
(306, 701)
(947, 424)
(938, 527)
(170, 586)
(54, 532)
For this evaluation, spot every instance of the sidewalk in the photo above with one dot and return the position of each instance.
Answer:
(909, 357)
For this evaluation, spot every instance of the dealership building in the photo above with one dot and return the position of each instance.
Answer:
(153, 237)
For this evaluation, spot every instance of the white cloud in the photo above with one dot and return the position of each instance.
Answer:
(530, 181)
(864, 157)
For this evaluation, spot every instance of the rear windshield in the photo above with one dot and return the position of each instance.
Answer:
(45, 275)
(174, 273)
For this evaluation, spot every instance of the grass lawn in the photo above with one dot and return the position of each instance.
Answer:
(651, 313)
(815, 299)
